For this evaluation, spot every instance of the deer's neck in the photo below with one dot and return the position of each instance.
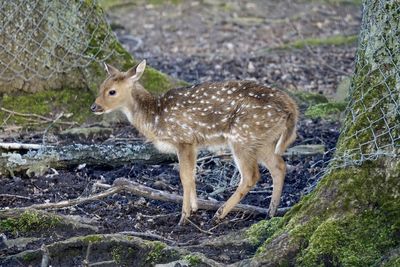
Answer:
(141, 112)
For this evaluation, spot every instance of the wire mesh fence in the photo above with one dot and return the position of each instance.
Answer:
(372, 126)
(43, 39)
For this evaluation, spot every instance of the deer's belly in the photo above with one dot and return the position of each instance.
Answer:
(165, 147)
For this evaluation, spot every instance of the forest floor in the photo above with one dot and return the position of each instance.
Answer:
(297, 45)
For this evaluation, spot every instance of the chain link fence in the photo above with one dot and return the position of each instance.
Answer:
(43, 39)
(372, 126)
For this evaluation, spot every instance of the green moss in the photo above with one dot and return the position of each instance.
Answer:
(351, 219)
(331, 40)
(107, 4)
(117, 253)
(155, 81)
(29, 256)
(263, 230)
(161, 2)
(310, 99)
(193, 260)
(326, 110)
(360, 235)
(29, 221)
(74, 103)
(337, 2)
(92, 238)
(156, 251)
(356, 240)
(393, 262)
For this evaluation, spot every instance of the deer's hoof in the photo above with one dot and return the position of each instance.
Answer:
(183, 220)
(217, 216)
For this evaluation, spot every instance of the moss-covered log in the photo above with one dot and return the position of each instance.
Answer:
(37, 162)
(57, 48)
(353, 217)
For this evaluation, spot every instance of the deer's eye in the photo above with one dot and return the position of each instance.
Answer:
(112, 92)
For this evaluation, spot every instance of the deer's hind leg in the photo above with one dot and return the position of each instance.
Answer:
(277, 168)
(246, 162)
(187, 155)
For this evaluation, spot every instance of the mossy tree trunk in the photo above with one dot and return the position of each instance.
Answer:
(55, 49)
(353, 217)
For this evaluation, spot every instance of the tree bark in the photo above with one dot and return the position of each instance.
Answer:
(352, 218)
(51, 59)
(57, 44)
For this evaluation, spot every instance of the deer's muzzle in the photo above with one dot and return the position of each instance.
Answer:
(96, 108)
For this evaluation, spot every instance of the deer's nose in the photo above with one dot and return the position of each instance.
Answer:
(95, 108)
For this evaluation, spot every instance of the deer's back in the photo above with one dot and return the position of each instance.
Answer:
(211, 113)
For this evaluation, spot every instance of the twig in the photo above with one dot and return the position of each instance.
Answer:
(45, 257)
(14, 196)
(160, 215)
(198, 228)
(86, 262)
(100, 263)
(149, 235)
(214, 156)
(49, 126)
(76, 201)
(43, 118)
(17, 146)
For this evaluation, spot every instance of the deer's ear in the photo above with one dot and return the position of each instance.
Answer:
(136, 72)
(110, 69)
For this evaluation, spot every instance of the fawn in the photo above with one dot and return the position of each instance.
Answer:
(256, 122)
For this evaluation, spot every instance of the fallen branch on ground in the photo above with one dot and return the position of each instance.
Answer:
(122, 184)
(18, 146)
(39, 117)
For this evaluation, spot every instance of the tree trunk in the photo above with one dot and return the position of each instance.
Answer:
(352, 218)
(56, 50)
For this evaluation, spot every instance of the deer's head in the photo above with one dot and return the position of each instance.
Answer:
(116, 91)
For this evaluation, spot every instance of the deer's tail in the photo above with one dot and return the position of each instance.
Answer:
(288, 135)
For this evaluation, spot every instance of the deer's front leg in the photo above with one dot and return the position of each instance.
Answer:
(187, 168)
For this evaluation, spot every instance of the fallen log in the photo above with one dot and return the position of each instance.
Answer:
(37, 161)
(39, 158)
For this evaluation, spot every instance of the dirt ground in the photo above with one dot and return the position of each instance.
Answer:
(199, 41)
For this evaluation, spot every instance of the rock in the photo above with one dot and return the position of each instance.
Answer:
(342, 91)
(306, 150)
